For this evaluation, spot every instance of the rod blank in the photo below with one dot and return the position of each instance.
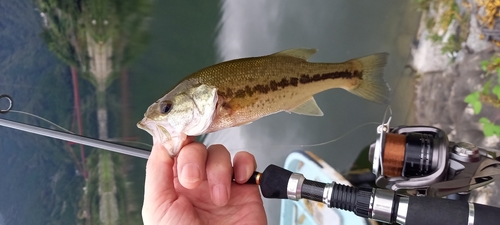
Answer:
(123, 149)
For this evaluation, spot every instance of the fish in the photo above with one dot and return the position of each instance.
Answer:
(240, 91)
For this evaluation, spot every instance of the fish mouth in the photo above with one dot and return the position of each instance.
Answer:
(161, 136)
(143, 126)
(159, 133)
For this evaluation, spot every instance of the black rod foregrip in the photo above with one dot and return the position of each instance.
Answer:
(438, 211)
(274, 181)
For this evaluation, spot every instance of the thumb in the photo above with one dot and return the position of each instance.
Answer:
(159, 185)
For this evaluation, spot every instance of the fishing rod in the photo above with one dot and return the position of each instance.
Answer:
(380, 204)
(423, 177)
(426, 163)
(118, 148)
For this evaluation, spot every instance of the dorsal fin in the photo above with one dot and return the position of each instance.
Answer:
(302, 53)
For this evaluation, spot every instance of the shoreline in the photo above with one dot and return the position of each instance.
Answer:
(454, 76)
(444, 79)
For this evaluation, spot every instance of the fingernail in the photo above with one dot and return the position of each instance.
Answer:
(248, 173)
(242, 175)
(219, 195)
(190, 173)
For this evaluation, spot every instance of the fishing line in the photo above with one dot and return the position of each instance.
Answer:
(385, 121)
(316, 144)
(41, 118)
(403, 73)
(336, 139)
(387, 109)
(68, 131)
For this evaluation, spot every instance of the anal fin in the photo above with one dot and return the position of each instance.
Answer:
(308, 108)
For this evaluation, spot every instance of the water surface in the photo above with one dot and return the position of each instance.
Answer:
(153, 48)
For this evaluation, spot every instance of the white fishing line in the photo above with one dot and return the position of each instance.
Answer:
(41, 118)
(315, 144)
(336, 139)
(68, 131)
(385, 120)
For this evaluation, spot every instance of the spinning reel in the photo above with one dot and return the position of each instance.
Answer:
(420, 160)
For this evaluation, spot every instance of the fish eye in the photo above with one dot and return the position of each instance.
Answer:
(165, 107)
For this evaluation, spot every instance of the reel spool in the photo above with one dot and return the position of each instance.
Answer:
(409, 157)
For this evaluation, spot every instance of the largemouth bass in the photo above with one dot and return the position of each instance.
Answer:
(238, 92)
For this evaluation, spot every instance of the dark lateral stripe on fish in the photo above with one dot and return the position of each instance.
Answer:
(294, 81)
(304, 79)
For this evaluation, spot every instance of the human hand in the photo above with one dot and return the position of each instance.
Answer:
(196, 187)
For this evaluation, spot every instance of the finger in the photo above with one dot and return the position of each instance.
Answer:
(189, 139)
(159, 186)
(244, 166)
(191, 165)
(219, 173)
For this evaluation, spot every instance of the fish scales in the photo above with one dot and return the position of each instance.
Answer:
(256, 87)
(240, 91)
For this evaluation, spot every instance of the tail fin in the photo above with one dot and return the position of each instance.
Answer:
(373, 87)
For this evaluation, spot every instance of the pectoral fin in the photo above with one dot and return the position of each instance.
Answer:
(308, 108)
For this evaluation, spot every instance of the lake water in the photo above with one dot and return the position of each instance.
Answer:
(185, 37)
(340, 30)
